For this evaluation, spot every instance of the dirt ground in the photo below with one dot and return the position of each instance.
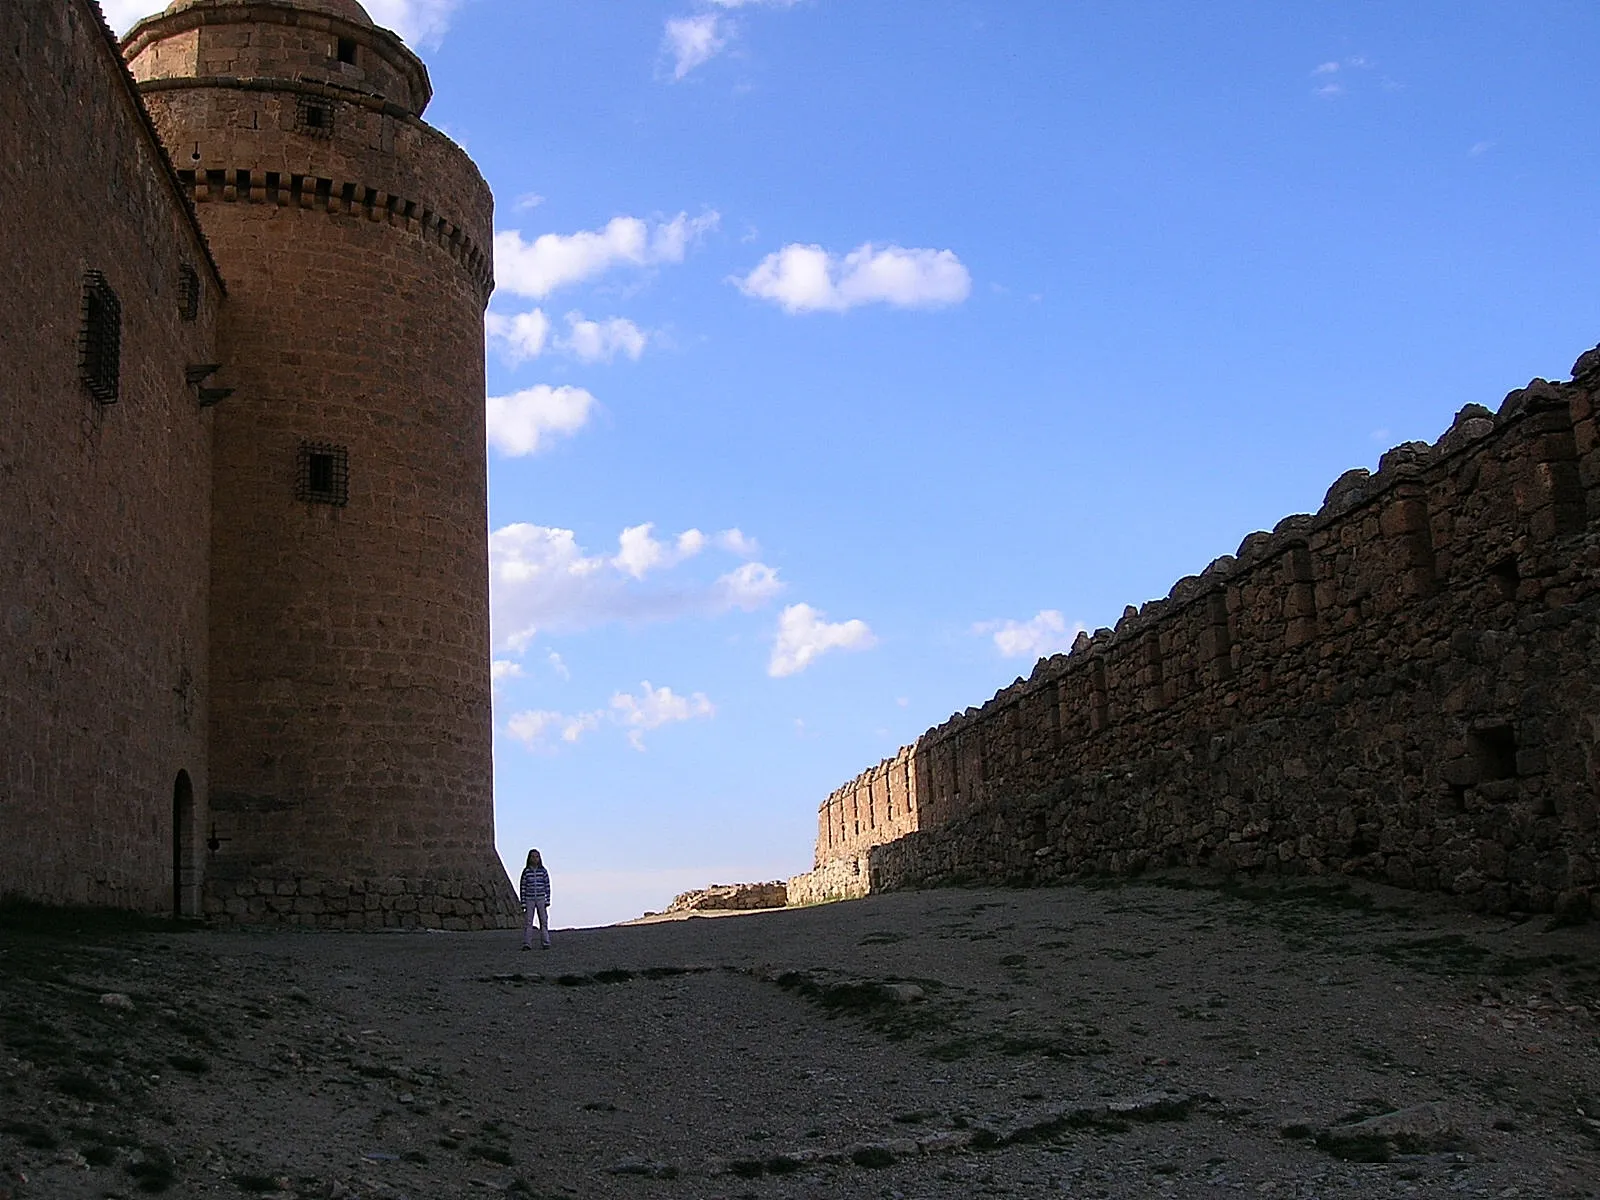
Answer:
(1156, 1038)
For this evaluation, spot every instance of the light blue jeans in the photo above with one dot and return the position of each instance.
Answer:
(536, 914)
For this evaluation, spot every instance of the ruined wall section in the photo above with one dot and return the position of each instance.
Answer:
(106, 502)
(876, 807)
(1403, 687)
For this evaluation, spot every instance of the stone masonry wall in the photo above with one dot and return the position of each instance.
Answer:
(351, 770)
(1405, 686)
(104, 507)
(876, 807)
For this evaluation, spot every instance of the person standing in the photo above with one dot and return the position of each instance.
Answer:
(535, 901)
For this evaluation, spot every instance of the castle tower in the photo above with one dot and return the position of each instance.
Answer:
(350, 738)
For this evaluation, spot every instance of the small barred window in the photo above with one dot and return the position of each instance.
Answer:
(314, 117)
(188, 292)
(101, 338)
(324, 474)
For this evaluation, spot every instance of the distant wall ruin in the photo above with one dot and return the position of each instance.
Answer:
(1404, 687)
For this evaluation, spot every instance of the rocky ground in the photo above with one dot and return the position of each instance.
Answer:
(1158, 1038)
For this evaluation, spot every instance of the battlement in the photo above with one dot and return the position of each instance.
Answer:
(1392, 686)
(245, 186)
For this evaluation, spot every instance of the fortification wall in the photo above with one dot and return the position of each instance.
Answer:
(878, 806)
(1404, 686)
(106, 503)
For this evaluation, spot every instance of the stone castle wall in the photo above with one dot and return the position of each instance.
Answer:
(104, 507)
(234, 680)
(878, 806)
(1404, 686)
(351, 767)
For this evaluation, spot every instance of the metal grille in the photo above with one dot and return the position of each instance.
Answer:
(101, 339)
(313, 117)
(324, 473)
(188, 292)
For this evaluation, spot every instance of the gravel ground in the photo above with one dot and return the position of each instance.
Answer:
(1165, 1037)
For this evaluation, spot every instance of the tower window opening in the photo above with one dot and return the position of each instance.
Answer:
(1495, 749)
(324, 474)
(188, 292)
(347, 50)
(314, 118)
(101, 338)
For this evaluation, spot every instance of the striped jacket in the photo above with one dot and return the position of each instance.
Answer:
(536, 886)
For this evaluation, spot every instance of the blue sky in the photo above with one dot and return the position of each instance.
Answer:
(849, 354)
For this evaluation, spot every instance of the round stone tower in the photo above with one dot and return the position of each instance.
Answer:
(350, 738)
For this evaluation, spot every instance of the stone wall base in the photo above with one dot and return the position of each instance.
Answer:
(480, 900)
(836, 879)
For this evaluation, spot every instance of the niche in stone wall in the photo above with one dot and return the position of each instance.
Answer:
(1505, 577)
(1099, 705)
(1300, 597)
(1494, 751)
(1216, 642)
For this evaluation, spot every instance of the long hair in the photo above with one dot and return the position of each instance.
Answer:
(534, 860)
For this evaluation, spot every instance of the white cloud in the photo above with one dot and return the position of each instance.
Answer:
(803, 635)
(542, 581)
(121, 14)
(528, 201)
(419, 22)
(693, 41)
(1480, 148)
(734, 541)
(558, 665)
(655, 707)
(502, 668)
(526, 335)
(1044, 633)
(535, 727)
(1332, 89)
(638, 552)
(521, 336)
(650, 709)
(601, 341)
(808, 278)
(526, 422)
(748, 587)
(553, 260)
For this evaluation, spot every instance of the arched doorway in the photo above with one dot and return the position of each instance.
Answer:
(183, 871)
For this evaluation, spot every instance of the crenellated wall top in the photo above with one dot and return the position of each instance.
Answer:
(1408, 463)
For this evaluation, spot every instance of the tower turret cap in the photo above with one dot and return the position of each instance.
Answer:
(350, 10)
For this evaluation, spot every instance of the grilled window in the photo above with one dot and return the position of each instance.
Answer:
(324, 474)
(188, 292)
(314, 117)
(101, 339)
